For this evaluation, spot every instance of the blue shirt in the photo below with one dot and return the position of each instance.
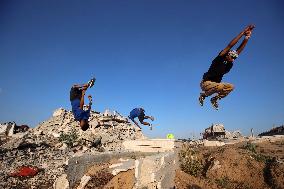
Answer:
(136, 113)
(78, 113)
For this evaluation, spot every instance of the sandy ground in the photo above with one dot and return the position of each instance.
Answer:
(238, 166)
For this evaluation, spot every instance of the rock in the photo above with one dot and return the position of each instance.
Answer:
(61, 182)
(215, 165)
(213, 143)
(84, 180)
(21, 128)
(58, 112)
(7, 129)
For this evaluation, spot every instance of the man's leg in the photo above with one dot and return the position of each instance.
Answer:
(141, 119)
(149, 117)
(223, 89)
(81, 86)
(208, 88)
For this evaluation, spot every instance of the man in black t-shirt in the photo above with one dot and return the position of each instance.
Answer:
(222, 64)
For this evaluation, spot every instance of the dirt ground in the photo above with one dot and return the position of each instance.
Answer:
(239, 166)
(103, 179)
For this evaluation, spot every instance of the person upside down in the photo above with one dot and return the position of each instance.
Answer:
(221, 65)
(77, 94)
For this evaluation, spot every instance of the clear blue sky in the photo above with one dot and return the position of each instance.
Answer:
(149, 53)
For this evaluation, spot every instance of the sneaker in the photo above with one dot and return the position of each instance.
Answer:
(214, 102)
(201, 99)
(91, 82)
(151, 127)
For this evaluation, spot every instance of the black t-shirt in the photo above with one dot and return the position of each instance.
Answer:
(218, 68)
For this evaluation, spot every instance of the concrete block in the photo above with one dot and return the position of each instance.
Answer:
(84, 180)
(151, 145)
(124, 165)
(157, 171)
(213, 143)
(61, 182)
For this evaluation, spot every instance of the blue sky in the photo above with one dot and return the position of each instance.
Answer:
(149, 53)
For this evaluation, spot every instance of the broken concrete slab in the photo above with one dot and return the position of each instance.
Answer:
(61, 182)
(152, 145)
(84, 180)
(213, 143)
(156, 171)
(124, 165)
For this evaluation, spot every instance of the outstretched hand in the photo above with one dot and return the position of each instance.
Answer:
(248, 33)
(249, 28)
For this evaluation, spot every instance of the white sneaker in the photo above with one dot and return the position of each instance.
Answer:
(91, 82)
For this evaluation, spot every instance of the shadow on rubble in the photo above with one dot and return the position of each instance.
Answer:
(193, 186)
(32, 146)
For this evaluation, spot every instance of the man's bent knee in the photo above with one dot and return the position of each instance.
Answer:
(229, 87)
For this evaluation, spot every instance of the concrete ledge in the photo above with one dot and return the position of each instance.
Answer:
(213, 143)
(151, 145)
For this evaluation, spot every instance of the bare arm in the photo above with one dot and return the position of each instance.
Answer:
(244, 42)
(242, 45)
(235, 40)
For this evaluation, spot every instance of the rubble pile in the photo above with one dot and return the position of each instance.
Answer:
(274, 131)
(233, 134)
(218, 131)
(34, 158)
(11, 128)
(111, 127)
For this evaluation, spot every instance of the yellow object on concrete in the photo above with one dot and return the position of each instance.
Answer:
(170, 136)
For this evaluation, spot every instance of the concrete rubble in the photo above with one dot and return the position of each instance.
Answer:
(43, 146)
(65, 164)
(65, 157)
(274, 131)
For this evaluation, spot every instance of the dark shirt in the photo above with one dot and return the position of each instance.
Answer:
(218, 68)
(137, 112)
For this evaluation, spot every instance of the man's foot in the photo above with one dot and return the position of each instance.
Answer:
(214, 102)
(91, 82)
(201, 99)
(152, 118)
(151, 127)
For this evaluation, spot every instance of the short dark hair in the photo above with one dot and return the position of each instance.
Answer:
(85, 126)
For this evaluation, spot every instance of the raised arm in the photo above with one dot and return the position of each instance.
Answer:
(235, 40)
(244, 42)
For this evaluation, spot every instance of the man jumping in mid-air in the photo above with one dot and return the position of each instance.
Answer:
(222, 64)
(140, 113)
(77, 94)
